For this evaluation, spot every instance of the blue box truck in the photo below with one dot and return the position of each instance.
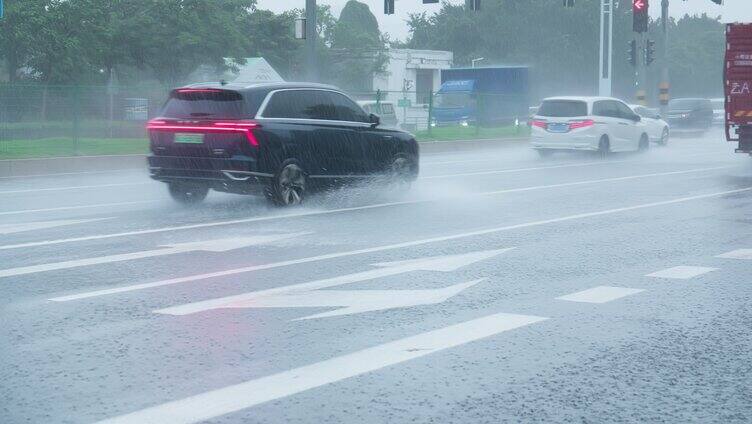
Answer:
(486, 96)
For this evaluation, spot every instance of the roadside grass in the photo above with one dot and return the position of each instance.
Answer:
(58, 147)
(90, 124)
(472, 133)
(87, 146)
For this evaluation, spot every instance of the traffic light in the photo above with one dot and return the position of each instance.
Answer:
(650, 52)
(632, 54)
(472, 4)
(389, 7)
(568, 3)
(640, 15)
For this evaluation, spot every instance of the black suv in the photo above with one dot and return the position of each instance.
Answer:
(281, 140)
(690, 114)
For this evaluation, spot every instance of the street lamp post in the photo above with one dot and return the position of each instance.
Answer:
(477, 60)
(310, 29)
(605, 64)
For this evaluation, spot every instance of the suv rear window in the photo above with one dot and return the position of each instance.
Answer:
(688, 104)
(562, 108)
(204, 103)
(299, 104)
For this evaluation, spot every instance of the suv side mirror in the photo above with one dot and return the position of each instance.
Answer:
(636, 118)
(374, 120)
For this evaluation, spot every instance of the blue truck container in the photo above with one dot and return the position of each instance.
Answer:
(489, 96)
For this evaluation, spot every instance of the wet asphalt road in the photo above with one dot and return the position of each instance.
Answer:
(568, 289)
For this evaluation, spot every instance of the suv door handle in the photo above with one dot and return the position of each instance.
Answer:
(623, 123)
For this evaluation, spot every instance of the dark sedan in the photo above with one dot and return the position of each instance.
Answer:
(281, 140)
(690, 114)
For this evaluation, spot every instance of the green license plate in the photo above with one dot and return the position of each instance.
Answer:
(189, 138)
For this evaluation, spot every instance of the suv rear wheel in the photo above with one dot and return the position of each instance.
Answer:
(644, 145)
(188, 194)
(401, 173)
(289, 185)
(604, 147)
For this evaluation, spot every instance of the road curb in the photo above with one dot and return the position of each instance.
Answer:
(441, 146)
(74, 164)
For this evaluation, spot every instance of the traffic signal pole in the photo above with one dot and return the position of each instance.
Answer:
(311, 36)
(664, 86)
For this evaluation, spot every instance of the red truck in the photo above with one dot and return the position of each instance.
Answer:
(738, 85)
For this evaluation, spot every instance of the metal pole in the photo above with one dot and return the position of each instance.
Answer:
(606, 48)
(642, 69)
(311, 37)
(664, 87)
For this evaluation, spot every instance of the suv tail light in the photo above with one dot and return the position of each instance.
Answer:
(581, 124)
(539, 124)
(244, 127)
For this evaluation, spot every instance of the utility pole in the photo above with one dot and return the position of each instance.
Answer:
(607, 42)
(311, 39)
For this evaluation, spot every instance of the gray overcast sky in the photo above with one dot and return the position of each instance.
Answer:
(733, 10)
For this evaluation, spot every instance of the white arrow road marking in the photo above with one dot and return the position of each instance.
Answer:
(682, 272)
(353, 301)
(221, 245)
(41, 225)
(411, 243)
(448, 263)
(737, 254)
(215, 403)
(361, 208)
(601, 294)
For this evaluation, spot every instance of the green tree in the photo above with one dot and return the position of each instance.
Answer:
(357, 48)
(18, 33)
(173, 37)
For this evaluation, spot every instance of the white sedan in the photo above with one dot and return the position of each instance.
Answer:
(656, 127)
(601, 124)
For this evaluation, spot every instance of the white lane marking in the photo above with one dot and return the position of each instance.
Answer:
(535, 168)
(601, 294)
(327, 256)
(83, 187)
(737, 254)
(60, 174)
(445, 263)
(220, 245)
(70, 208)
(215, 403)
(682, 272)
(350, 302)
(41, 225)
(351, 209)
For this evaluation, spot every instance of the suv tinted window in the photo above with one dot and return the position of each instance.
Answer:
(678, 104)
(346, 109)
(204, 103)
(562, 108)
(299, 104)
(624, 111)
(605, 108)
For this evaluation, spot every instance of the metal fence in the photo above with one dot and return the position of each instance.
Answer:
(74, 120)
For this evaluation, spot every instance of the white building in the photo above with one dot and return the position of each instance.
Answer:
(255, 70)
(413, 75)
